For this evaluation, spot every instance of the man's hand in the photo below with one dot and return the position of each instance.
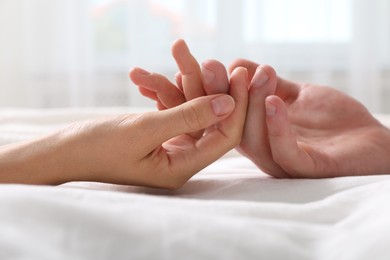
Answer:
(305, 130)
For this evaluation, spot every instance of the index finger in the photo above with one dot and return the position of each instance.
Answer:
(284, 88)
(189, 69)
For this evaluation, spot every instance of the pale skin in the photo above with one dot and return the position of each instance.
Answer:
(292, 129)
(152, 149)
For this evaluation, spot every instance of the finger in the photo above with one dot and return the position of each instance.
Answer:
(179, 81)
(285, 150)
(224, 138)
(152, 95)
(189, 69)
(190, 74)
(160, 106)
(215, 78)
(148, 93)
(249, 65)
(191, 116)
(214, 144)
(255, 144)
(285, 89)
(166, 92)
(234, 125)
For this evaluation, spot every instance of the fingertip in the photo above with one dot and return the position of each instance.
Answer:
(263, 82)
(136, 72)
(215, 77)
(276, 108)
(178, 76)
(179, 47)
(179, 41)
(238, 70)
(132, 73)
(239, 83)
(271, 72)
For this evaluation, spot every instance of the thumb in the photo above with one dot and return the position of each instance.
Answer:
(194, 115)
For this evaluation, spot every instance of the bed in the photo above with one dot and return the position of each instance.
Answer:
(230, 210)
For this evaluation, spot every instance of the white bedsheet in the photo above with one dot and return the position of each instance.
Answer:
(229, 211)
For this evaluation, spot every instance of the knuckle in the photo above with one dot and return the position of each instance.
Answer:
(275, 133)
(192, 118)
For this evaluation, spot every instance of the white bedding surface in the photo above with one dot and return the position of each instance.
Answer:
(228, 211)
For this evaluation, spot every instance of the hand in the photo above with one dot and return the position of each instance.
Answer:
(309, 131)
(150, 149)
(304, 130)
(192, 82)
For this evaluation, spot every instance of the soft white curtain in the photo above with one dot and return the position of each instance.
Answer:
(78, 52)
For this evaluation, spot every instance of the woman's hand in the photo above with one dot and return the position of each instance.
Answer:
(151, 149)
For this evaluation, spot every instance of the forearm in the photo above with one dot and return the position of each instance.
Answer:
(40, 161)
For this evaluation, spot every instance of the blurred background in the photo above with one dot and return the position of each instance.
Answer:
(77, 53)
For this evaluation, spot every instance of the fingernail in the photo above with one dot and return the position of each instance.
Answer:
(222, 105)
(143, 72)
(208, 75)
(270, 109)
(260, 78)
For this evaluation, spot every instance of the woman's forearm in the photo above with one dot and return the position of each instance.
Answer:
(150, 149)
(39, 161)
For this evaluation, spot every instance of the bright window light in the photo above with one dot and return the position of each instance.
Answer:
(299, 21)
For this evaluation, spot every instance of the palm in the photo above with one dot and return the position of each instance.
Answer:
(320, 108)
(332, 128)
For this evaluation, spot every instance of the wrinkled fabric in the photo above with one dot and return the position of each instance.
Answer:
(216, 216)
(230, 210)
